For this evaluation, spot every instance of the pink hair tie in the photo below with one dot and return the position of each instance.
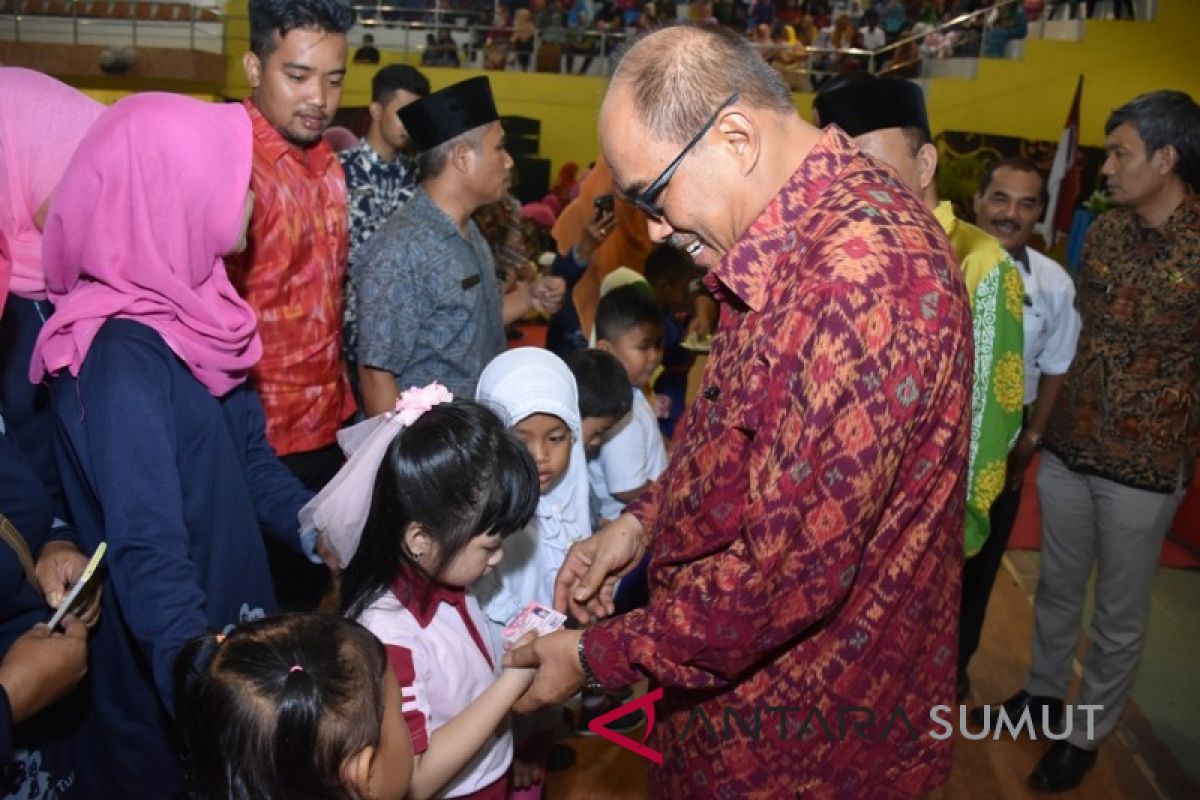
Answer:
(296, 668)
(417, 400)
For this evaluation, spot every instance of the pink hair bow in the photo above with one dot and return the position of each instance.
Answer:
(416, 400)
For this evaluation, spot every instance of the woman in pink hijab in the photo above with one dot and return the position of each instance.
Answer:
(41, 123)
(162, 447)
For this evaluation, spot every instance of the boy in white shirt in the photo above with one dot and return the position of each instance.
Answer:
(629, 326)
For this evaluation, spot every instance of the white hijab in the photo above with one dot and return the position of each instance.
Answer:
(517, 384)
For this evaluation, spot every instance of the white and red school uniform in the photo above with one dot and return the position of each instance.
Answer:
(438, 643)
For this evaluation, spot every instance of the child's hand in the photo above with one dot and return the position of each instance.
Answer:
(523, 674)
(526, 773)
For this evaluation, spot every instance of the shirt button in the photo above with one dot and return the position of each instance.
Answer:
(711, 393)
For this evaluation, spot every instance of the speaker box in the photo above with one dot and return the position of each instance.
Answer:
(522, 126)
(531, 178)
(519, 146)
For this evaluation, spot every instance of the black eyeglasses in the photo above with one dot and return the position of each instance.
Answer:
(644, 200)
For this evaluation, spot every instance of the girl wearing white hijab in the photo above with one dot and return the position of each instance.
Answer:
(534, 392)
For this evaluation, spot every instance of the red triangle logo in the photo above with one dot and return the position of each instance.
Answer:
(646, 701)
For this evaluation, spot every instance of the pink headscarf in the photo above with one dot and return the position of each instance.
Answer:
(41, 123)
(539, 213)
(155, 195)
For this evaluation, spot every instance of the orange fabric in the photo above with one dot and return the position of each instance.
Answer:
(291, 273)
(627, 246)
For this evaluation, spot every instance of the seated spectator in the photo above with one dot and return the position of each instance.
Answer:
(1007, 24)
(806, 31)
(787, 48)
(440, 50)
(789, 12)
(906, 58)
(871, 33)
(523, 34)
(368, 53)
(551, 21)
(700, 12)
(650, 18)
(894, 17)
(498, 41)
(762, 13)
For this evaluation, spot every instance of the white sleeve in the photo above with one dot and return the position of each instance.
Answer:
(1064, 324)
(629, 459)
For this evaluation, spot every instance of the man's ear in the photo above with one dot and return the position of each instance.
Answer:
(252, 66)
(1165, 160)
(375, 110)
(742, 136)
(927, 162)
(462, 157)
(605, 345)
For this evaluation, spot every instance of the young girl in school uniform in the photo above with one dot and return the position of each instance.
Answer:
(417, 515)
(534, 391)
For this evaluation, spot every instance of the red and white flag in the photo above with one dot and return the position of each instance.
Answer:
(1065, 176)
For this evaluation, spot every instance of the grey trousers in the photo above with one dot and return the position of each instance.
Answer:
(1088, 520)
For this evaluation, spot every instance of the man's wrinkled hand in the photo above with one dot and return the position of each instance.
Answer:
(559, 673)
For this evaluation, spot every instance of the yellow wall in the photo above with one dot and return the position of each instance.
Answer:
(1027, 98)
(1118, 60)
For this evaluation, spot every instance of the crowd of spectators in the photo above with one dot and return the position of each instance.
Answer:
(805, 40)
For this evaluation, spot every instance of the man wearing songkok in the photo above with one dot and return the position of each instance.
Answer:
(888, 122)
(806, 538)
(429, 304)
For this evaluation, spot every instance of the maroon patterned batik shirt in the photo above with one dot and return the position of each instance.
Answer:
(807, 536)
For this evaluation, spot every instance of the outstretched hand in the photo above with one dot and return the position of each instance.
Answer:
(588, 577)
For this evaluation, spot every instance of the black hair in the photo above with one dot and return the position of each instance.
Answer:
(603, 384)
(456, 472)
(268, 17)
(1018, 164)
(623, 308)
(275, 709)
(397, 77)
(667, 264)
(1165, 118)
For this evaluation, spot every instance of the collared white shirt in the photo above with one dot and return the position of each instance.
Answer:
(1051, 321)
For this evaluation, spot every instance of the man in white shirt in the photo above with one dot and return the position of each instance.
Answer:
(1010, 201)
(873, 35)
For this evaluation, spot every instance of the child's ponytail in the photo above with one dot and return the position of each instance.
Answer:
(276, 708)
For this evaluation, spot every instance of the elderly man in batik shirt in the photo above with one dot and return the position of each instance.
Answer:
(806, 538)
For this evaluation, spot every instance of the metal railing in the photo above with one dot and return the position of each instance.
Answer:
(476, 44)
(117, 23)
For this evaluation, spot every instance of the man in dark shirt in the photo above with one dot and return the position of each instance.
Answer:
(368, 53)
(429, 304)
(381, 176)
(1122, 441)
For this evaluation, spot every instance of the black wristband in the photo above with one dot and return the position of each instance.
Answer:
(589, 677)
